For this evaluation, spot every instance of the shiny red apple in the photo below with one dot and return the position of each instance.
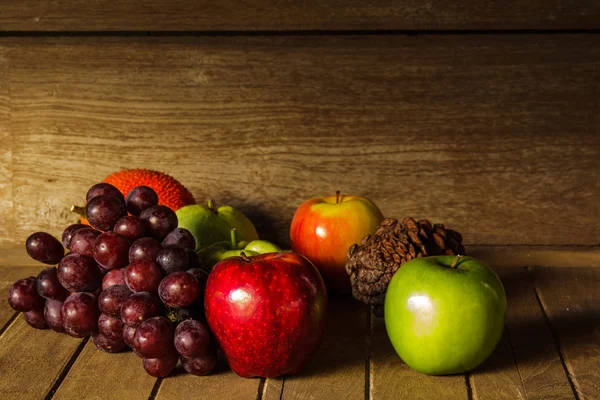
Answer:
(267, 312)
(324, 228)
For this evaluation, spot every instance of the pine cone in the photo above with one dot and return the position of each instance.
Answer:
(372, 264)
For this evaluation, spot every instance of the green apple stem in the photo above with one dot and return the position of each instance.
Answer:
(211, 205)
(234, 239)
(337, 197)
(78, 210)
(456, 260)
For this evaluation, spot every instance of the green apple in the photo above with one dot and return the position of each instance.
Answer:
(209, 224)
(444, 314)
(262, 247)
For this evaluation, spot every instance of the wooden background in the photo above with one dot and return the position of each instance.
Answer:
(432, 109)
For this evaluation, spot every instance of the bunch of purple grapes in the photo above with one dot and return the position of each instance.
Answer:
(131, 279)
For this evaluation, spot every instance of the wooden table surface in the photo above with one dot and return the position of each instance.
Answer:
(550, 350)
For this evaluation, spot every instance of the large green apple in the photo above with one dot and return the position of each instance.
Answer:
(444, 314)
(209, 224)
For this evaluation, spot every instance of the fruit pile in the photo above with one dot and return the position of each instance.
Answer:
(131, 278)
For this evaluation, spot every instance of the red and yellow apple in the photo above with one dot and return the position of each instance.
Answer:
(324, 228)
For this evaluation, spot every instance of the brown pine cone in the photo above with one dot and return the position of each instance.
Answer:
(372, 264)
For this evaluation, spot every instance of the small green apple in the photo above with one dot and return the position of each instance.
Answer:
(262, 247)
(444, 314)
(210, 225)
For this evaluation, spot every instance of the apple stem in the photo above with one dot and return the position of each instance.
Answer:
(233, 239)
(244, 257)
(456, 260)
(211, 205)
(78, 210)
(337, 197)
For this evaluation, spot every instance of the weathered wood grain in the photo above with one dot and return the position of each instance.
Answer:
(391, 378)
(493, 135)
(571, 300)
(114, 376)
(548, 256)
(535, 351)
(31, 360)
(6, 141)
(203, 15)
(338, 369)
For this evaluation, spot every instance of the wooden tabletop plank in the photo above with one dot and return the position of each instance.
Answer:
(571, 300)
(220, 384)
(31, 360)
(338, 369)
(6, 190)
(204, 15)
(235, 117)
(535, 351)
(391, 378)
(99, 375)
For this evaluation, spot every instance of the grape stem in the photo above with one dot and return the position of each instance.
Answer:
(78, 210)
(456, 260)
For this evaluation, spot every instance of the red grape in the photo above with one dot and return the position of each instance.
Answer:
(79, 274)
(100, 189)
(82, 241)
(45, 248)
(23, 296)
(128, 335)
(193, 259)
(179, 289)
(161, 367)
(143, 276)
(68, 234)
(48, 285)
(154, 337)
(103, 212)
(172, 259)
(145, 248)
(52, 315)
(111, 300)
(113, 277)
(192, 339)
(159, 221)
(139, 307)
(140, 198)
(80, 314)
(111, 250)
(107, 344)
(180, 237)
(35, 319)
(131, 227)
(110, 327)
(200, 365)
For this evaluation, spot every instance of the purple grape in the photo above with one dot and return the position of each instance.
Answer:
(159, 221)
(128, 335)
(23, 295)
(111, 300)
(161, 367)
(48, 285)
(68, 234)
(44, 247)
(143, 276)
(200, 366)
(52, 315)
(111, 250)
(192, 339)
(107, 344)
(35, 319)
(193, 259)
(140, 198)
(139, 307)
(131, 227)
(103, 212)
(200, 275)
(110, 327)
(154, 338)
(113, 277)
(172, 259)
(180, 289)
(103, 188)
(82, 241)
(180, 237)
(77, 273)
(145, 248)
(80, 314)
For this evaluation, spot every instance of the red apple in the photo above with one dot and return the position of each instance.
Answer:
(267, 312)
(324, 228)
